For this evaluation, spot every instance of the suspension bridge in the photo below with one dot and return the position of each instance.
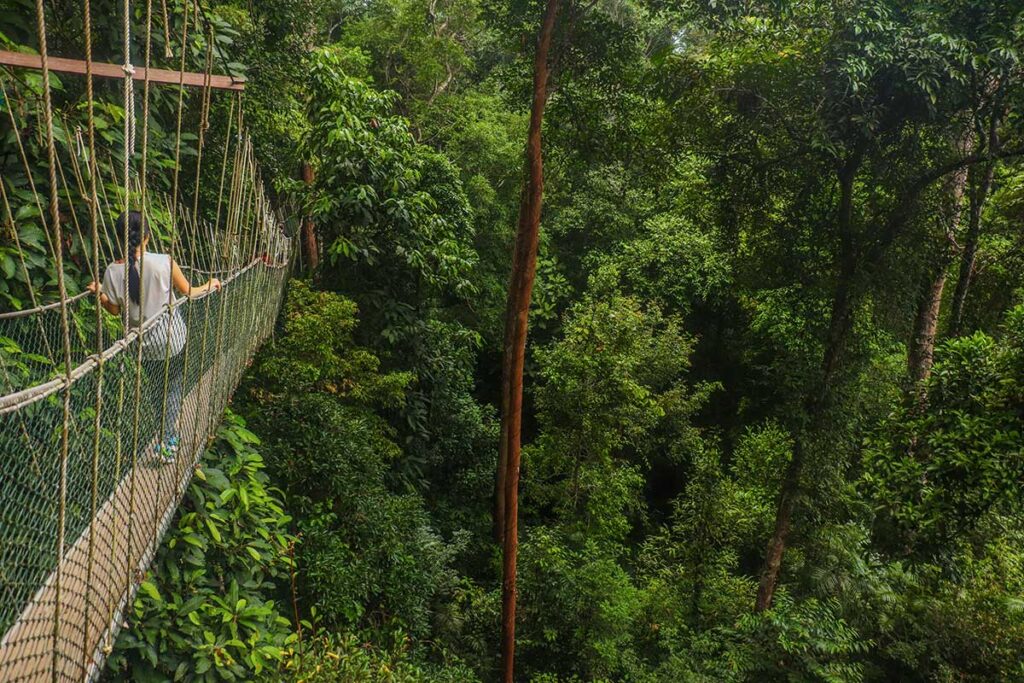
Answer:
(86, 491)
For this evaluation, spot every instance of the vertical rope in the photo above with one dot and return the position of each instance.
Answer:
(205, 361)
(143, 199)
(24, 162)
(224, 163)
(97, 424)
(220, 302)
(181, 101)
(204, 112)
(232, 213)
(74, 215)
(141, 262)
(51, 154)
(9, 216)
(129, 101)
(24, 268)
(9, 222)
(129, 146)
(167, 30)
(129, 149)
(175, 230)
(76, 172)
(111, 246)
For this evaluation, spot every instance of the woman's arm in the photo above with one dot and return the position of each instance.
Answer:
(104, 300)
(183, 286)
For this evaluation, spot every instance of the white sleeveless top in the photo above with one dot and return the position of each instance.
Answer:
(156, 290)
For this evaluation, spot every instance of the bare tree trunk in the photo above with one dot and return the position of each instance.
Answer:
(978, 196)
(780, 536)
(520, 291)
(922, 343)
(839, 330)
(926, 322)
(309, 242)
(980, 185)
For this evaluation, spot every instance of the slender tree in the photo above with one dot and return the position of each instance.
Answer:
(309, 243)
(980, 183)
(926, 322)
(980, 188)
(524, 267)
(840, 325)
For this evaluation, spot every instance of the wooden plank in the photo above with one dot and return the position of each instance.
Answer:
(106, 70)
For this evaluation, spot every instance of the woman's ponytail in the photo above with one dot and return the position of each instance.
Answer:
(138, 231)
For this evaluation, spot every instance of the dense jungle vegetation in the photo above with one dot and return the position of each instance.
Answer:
(774, 386)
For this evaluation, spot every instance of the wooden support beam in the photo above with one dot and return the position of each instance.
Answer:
(106, 70)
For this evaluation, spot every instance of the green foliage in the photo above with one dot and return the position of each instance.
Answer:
(385, 201)
(675, 263)
(796, 642)
(369, 556)
(417, 47)
(207, 610)
(936, 470)
(316, 352)
(397, 224)
(578, 607)
(330, 659)
(612, 396)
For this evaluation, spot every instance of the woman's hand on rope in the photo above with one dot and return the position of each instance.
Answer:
(183, 286)
(104, 299)
(212, 285)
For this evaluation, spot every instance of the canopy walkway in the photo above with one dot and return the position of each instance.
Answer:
(84, 495)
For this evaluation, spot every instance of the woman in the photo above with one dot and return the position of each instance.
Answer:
(149, 290)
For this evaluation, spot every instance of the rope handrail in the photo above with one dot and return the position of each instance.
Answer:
(11, 315)
(29, 395)
(53, 305)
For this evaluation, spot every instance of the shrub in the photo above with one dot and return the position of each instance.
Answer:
(205, 611)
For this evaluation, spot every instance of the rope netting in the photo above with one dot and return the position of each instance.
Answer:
(91, 474)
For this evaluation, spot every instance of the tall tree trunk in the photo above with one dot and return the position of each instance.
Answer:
(309, 243)
(520, 290)
(840, 324)
(980, 182)
(978, 196)
(926, 322)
